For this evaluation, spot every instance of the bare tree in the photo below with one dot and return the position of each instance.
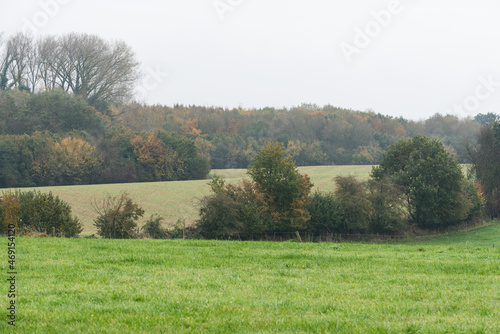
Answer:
(6, 60)
(101, 72)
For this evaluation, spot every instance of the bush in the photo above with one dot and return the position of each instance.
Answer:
(40, 212)
(356, 207)
(219, 218)
(486, 165)
(181, 231)
(117, 217)
(326, 214)
(152, 228)
(389, 214)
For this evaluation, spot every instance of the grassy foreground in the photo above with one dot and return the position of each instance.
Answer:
(485, 235)
(177, 286)
(178, 199)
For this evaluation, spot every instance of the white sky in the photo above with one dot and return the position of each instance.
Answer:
(431, 56)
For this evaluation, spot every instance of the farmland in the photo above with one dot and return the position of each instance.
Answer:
(178, 199)
(176, 286)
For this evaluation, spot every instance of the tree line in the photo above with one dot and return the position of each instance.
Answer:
(313, 135)
(417, 185)
(53, 138)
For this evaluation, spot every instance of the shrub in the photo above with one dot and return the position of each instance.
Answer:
(219, 218)
(326, 214)
(389, 214)
(353, 199)
(117, 217)
(152, 228)
(181, 231)
(40, 212)
(486, 165)
(10, 206)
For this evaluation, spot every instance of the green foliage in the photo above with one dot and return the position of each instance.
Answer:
(196, 165)
(430, 179)
(274, 201)
(486, 165)
(34, 211)
(357, 209)
(326, 214)
(152, 228)
(117, 216)
(276, 176)
(389, 214)
(219, 218)
(57, 111)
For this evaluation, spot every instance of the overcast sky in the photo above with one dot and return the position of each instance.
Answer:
(410, 58)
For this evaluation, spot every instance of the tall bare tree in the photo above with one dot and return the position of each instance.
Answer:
(101, 72)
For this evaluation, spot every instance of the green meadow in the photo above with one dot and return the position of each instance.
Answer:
(431, 284)
(178, 199)
(194, 286)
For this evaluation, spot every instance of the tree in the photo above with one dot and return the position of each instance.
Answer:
(287, 190)
(326, 214)
(486, 165)
(117, 217)
(74, 160)
(100, 72)
(430, 179)
(488, 118)
(356, 208)
(57, 111)
(160, 163)
(34, 211)
(389, 214)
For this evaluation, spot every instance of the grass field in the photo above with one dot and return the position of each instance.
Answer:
(185, 286)
(487, 235)
(178, 200)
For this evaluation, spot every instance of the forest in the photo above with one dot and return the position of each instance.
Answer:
(67, 116)
(57, 138)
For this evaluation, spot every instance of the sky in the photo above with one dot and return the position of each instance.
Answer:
(409, 58)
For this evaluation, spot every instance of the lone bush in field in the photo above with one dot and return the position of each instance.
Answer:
(34, 211)
(430, 178)
(118, 217)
